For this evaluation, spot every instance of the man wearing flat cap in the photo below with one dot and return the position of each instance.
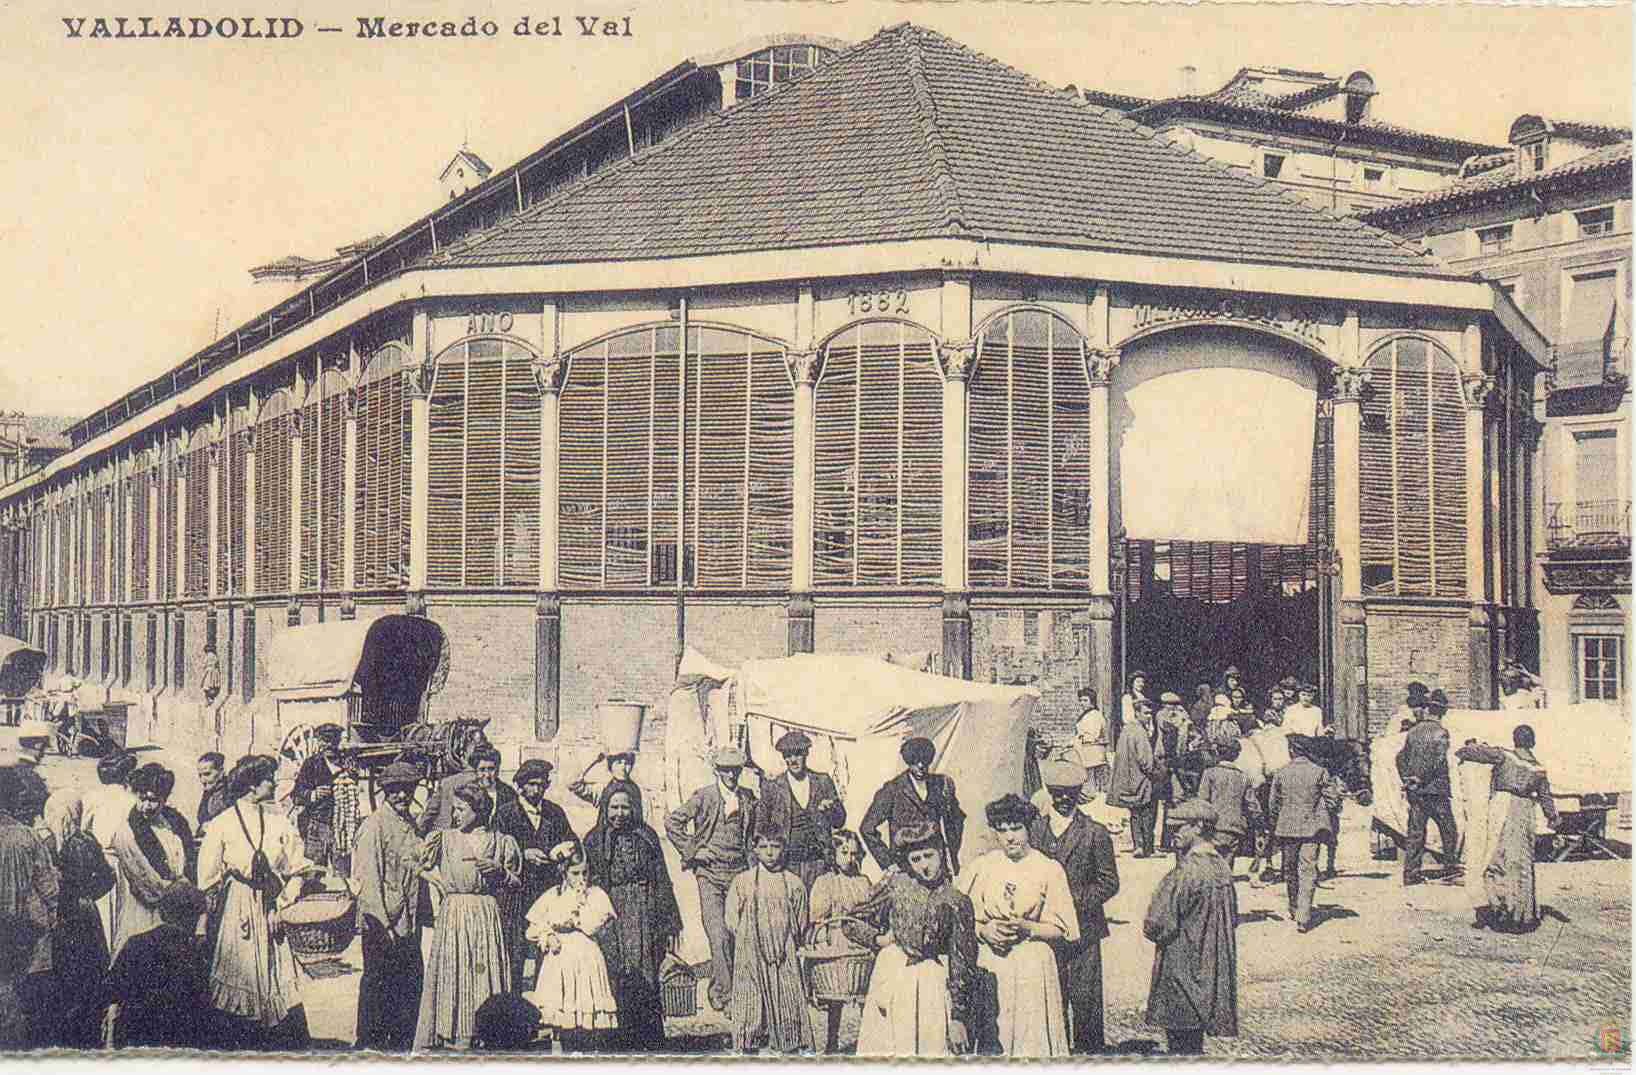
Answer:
(386, 877)
(1423, 765)
(1299, 805)
(916, 796)
(1191, 922)
(314, 794)
(538, 825)
(805, 806)
(1085, 850)
(713, 832)
(1136, 769)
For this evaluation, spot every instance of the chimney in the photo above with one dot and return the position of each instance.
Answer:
(1190, 76)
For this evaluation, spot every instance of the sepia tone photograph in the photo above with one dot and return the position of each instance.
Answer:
(861, 529)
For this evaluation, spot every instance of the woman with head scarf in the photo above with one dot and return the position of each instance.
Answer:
(254, 860)
(1503, 887)
(625, 859)
(1022, 906)
(154, 851)
(923, 996)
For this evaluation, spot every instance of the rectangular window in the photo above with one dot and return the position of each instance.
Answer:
(1596, 466)
(1495, 240)
(1534, 157)
(1272, 164)
(1595, 221)
(1374, 177)
(1601, 667)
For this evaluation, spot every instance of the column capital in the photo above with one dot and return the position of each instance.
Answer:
(550, 373)
(1100, 362)
(957, 358)
(1532, 429)
(352, 401)
(213, 452)
(803, 365)
(419, 382)
(249, 435)
(294, 418)
(1479, 389)
(1349, 384)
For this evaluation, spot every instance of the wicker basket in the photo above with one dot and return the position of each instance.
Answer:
(678, 990)
(321, 924)
(833, 974)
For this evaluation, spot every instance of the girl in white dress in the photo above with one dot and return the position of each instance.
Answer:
(1022, 904)
(573, 991)
(254, 859)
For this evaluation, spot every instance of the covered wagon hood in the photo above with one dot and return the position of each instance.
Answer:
(390, 656)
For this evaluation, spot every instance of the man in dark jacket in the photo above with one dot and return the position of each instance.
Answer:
(1423, 764)
(1225, 787)
(1085, 850)
(538, 825)
(1135, 769)
(916, 796)
(314, 794)
(485, 770)
(1302, 792)
(803, 805)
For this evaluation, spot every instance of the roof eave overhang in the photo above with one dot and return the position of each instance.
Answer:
(1402, 213)
(1452, 149)
(1431, 289)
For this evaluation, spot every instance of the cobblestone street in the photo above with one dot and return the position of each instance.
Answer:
(1388, 973)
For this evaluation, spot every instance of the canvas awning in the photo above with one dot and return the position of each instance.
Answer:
(20, 667)
(390, 659)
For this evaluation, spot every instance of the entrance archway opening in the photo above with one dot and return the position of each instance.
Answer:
(1222, 491)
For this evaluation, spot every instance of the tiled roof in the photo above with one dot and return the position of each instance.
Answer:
(1501, 177)
(910, 135)
(1592, 134)
(1253, 115)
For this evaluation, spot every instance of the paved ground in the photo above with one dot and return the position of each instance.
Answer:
(1390, 973)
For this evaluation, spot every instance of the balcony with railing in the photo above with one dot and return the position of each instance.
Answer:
(1587, 545)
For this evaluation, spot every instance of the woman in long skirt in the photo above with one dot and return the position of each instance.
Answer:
(1519, 782)
(467, 867)
(572, 992)
(627, 861)
(922, 996)
(1022, 904)
(253, 859)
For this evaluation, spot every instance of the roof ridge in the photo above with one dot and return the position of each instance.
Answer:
(667, 145)
(948, 191)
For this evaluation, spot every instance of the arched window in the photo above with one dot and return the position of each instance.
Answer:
(878, 479)
(273, 494)
(1029, 478)
(381, 504)
(484, 458)
(323, 467)
(627, 451)
(169, 502)
(1412, 473)
(197, 517)
(231, 475)
(97, 542)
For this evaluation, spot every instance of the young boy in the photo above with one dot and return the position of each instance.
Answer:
(1190, 922)
(767, 914)
(1225, 787)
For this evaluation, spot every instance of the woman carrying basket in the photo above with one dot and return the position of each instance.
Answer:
(253, 859)
(922, 991)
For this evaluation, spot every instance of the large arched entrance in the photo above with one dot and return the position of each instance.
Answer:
(1222, 510)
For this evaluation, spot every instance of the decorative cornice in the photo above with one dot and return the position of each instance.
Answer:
(958, 358)
(1574, 576)
(803, 366)
(550, 373)
(419, 381)
(1480, 390)
(1100, 362)
(1596, 601)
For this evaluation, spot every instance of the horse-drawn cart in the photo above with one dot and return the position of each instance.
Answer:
(373, 679)
(21, 666)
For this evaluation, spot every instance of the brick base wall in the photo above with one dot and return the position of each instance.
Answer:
(1042, 647)
(1430, 645)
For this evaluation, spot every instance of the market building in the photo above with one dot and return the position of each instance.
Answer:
(962, 366)
(1548, 220)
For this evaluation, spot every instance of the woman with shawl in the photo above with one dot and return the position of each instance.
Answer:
(1503, 890)
(253, 859)
(154, 851)
(626, 860)
(1022, 904)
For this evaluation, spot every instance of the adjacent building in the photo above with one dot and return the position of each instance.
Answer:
(963, 365)
(1319, 136)
(1548, 219)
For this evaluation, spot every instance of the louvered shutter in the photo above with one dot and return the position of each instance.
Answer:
(141, 483)
(98, 542)
(580, 469)
(311, 453)
(1028, 460)
(332, 440)
(382, 485)
(877, 506)
(198, 522)
(237, 477)
(1412, 474)
(273, 497)
(169, 502)
(484, 458)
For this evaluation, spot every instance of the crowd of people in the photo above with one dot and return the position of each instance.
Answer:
(486, 921)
